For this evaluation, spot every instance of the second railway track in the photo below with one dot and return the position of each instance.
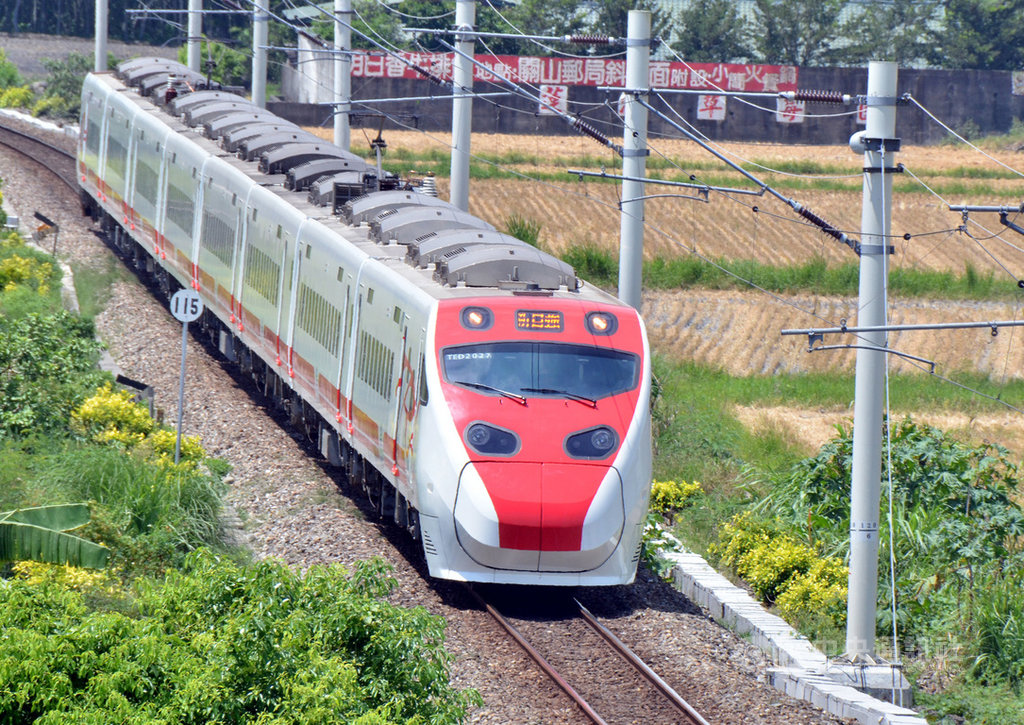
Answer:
(58, 161)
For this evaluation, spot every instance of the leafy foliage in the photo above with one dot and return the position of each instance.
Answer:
(669, 496)
(64, 86)
(523, 229)
(40, 534)
(980, 34)
(896, 31)
(9, 76)
(226, 65)
(794, 32)
(218, 642)
(783, 570)
(47, 365)
(16, 97)
(710, 31)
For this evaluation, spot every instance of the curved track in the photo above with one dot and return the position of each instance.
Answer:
(56, 160)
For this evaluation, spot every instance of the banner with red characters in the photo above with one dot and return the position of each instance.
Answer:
(584, 71)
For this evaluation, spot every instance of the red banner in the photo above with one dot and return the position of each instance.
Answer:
(584, 71)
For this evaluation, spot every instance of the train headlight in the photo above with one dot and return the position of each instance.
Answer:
(592, 444)
(476, 318)
(602, 323)
(490, 440)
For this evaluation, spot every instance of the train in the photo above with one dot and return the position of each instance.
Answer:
(483, 396)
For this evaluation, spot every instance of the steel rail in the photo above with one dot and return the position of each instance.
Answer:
(67, 173)
(541, 662)
(642, 667)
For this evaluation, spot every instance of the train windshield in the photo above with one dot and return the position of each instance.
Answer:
(532, 369)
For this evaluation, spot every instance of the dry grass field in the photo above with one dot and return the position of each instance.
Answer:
(739, 331)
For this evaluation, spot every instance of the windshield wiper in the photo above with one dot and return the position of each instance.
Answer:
(564, 393)
(483, 386)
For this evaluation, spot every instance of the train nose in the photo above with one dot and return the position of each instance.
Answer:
(539, 516)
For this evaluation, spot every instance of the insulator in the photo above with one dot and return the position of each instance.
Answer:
(436, 80)
(819, 96)
(585, 128)
(821, 223)
(590, 39)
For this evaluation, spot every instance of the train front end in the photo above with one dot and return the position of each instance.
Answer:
(534, 466)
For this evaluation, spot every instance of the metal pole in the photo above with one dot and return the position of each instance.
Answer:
(101, 36)
(260, 23)
(878, 144)
(634, 158)
(462, 104)
(181, 391)
(342, 72)
(195, 33)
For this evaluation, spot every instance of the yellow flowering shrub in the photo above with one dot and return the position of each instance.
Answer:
(782, 569)
(160, 446)
(669, 495)
(16, 97)
(112, 415)
(72, 577)
(821, 590)
(17, 270)
(768, 568)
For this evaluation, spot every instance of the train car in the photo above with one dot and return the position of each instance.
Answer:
(483, 396)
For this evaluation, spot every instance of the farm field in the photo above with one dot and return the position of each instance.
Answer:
(739, 331)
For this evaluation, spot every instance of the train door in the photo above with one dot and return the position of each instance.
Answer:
(403, 380)
(302, 251)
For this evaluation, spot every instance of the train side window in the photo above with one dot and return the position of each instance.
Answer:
(424, 397)
(369, 296)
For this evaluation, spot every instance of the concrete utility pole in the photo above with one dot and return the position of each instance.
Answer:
(879, 145)
(462, 104)
(342, 72)
(100, 63)
(260, 24)
(634, 158)
(195, 34)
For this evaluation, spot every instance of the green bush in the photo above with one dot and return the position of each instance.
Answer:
(221, 643)
(524, 229)
(782, 570)
(593, 264)
(150, 515)
(49, 366)
(16, 97)
(9, 75)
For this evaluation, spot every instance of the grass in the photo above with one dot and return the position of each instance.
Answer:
(952, 181)
(93, 284)
(698, 438)
(599, 267)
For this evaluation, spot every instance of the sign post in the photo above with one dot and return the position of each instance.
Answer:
(186, 306)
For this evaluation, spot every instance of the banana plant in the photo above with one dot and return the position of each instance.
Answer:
(40, 534)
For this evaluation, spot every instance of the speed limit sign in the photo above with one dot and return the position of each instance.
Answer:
(186, 305)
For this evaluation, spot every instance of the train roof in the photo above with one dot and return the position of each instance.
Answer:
(441, 249)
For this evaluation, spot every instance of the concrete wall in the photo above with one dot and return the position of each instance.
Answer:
(983, 97)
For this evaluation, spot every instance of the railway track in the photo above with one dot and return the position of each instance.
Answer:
(55, 160)
(585, 659)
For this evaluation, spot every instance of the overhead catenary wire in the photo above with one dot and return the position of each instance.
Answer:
(739, 278)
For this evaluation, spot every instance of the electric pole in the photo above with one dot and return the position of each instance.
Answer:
(634, 157)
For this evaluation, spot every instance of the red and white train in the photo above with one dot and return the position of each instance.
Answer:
(482, 395)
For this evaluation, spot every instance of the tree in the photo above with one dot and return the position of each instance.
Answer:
(610, 18)
(794, 32)
(897, 31)
(40, 534)
(981, 35)
(710, 31)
